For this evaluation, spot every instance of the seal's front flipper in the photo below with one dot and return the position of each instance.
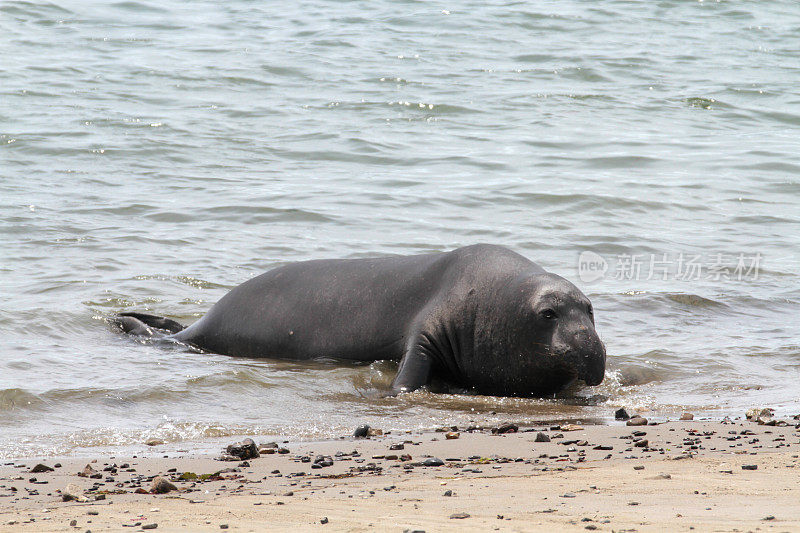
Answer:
(148, 321)
(414, 371)
(133, 326)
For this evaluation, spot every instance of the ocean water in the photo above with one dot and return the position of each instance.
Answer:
(155, 154)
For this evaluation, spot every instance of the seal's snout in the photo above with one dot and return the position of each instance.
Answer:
(586, 354)
(592, 361)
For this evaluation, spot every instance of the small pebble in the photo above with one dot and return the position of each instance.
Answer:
(243, 450)
(459, 516)
(162, 486)
(323, 520)
(505, 428)
(73, 492)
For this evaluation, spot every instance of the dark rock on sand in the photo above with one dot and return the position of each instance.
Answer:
(505, 428)
(323, 460)
(621, 414)
(541, 437)
(245, 449)
(268, 448)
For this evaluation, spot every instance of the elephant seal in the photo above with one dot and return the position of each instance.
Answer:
(481, 317)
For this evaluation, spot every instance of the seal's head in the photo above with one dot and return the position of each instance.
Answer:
(564, 316)
(543, 341)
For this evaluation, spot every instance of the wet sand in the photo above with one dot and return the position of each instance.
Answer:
(687, 476)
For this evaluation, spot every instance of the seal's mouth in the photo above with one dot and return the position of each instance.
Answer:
(594, 378)
(592, 369)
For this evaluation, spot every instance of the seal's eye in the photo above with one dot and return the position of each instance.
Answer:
(590, 310)
(548, 314)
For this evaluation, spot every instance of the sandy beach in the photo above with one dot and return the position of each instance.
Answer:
(694, 475)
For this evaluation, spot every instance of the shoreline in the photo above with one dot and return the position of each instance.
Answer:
(694, 475)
